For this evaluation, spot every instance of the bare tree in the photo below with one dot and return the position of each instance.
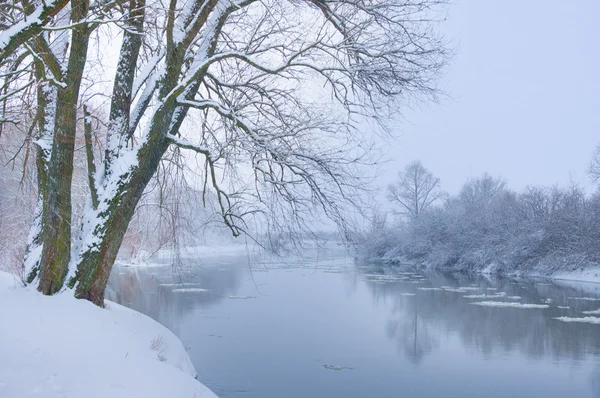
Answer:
(416, 190)
(594, 169)
(266, 96)
(482, 190)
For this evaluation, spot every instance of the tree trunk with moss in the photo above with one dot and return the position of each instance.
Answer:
(109, 225)
(46, 96)
(56, 218)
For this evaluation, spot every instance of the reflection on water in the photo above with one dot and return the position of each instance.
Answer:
(321, 327)
(413, 336)
(166, 294)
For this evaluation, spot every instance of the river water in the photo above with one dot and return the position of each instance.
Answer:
(320, 326)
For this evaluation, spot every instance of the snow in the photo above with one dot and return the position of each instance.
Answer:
(179, 284)
(15, 29)
(187, 144)
(164, 257)
(591, 274)
(585, 298)
(587, 319)
(62, 347)
(445, 289)
(594, 312)
(190, 290)
(503, 304)
(490, 269)
(497, 294)
(501, 295)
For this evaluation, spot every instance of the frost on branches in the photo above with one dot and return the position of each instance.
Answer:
(265, 96)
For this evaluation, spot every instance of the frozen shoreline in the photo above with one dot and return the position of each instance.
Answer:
(59, 346)
(584, 279)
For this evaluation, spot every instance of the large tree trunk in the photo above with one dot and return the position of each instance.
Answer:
(57, 218)
(108, 225)
(56, 224)
(96, 260)
(46, 95)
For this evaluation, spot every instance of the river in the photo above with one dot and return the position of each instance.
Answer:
(320, 326)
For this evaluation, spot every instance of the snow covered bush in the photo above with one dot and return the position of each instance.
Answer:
(489, 227)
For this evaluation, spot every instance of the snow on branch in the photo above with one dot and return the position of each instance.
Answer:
(182, 143)
(29, 26)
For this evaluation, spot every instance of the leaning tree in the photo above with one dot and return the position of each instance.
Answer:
(268, 97)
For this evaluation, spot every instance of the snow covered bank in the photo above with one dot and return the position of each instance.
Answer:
(590, 274)
(62, 347)
(558, 269)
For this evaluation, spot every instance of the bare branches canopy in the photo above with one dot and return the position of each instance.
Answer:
(267, 96)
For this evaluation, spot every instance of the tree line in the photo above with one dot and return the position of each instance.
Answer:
(487, 226)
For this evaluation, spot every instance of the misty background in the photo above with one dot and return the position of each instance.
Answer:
(522, 97)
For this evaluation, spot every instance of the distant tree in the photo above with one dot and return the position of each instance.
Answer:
(594, 169)
(416, 190)
(482, 190)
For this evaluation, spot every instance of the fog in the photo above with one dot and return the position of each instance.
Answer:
(521, 97)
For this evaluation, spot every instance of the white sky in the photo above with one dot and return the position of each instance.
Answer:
(525, 88)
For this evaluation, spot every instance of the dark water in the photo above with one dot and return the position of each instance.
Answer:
(326, 328)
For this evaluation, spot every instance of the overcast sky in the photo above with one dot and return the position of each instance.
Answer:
(525, 87)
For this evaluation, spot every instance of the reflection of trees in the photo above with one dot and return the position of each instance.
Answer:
(413, 335)
(150, 290)
(595, 381)
(532, 332)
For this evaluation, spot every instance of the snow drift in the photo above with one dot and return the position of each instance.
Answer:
(59, 346)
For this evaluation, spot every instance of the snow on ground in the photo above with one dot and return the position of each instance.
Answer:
(504, 304)
(587, 319)
(591, 274)
(584, 289)
(62, 347)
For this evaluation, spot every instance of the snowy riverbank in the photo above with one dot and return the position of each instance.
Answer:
(584, 275)
(62, 347)
(564, 274)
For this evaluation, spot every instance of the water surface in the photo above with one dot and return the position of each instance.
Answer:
(323, 327)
